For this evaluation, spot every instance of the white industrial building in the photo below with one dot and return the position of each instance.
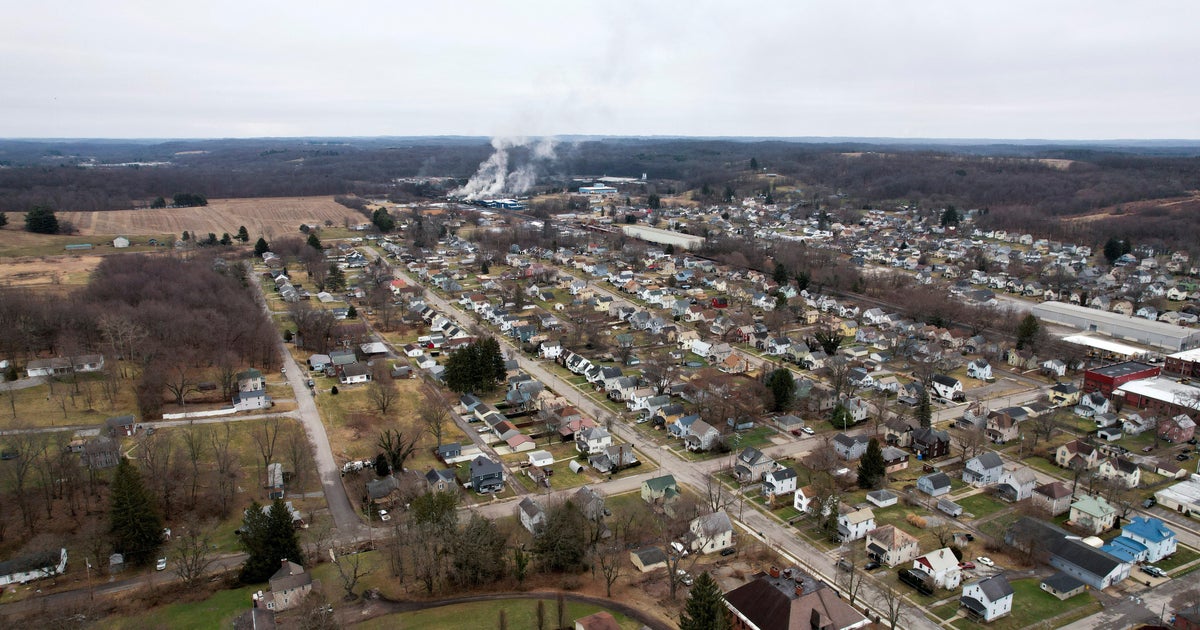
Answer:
(1117, 326)
(663, 237)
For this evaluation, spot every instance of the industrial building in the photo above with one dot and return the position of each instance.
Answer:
(1110, 377)
(663, 237)
(1135, 329)
(1185, 364)
(598, 189)
(1162, 396)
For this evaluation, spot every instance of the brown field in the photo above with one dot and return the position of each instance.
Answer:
(47, 271)
(1175, 207)
(269, 217)
(1056, 163)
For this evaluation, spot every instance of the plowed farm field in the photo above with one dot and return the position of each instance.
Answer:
(269, 217)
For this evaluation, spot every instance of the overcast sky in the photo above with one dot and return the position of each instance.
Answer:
(1094, 69)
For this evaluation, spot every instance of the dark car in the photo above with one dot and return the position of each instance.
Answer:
(1149, 503)
(1181, 457)
(1193, 441)
(728, 551)
(871, 566)
(845, 565)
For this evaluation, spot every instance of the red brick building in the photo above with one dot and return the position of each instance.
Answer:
(1110, 377)
(1184, 364)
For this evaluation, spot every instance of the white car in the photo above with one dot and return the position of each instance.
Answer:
(684, 578)
(162, 564)
(986, 561)
(384, 516)
(807, 430)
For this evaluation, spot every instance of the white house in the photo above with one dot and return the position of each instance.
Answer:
(120, 242)
(804, 499)
(979, 369)
(33, 567)
(540, 458)
(711, 533)
(987, 599)
(1152, 534)
(941, 566)
(855, 524)
(891, 545)
(779, 482)
(946, 387)
(247, 401)
(533, 516)
(592, 440)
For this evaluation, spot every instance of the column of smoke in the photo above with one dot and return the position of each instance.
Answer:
(496, 178)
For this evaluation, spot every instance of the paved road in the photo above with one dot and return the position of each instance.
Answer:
(22, 383)
(777, 535)
(345, 517)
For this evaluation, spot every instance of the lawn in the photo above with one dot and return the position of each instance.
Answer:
(980, 505)
(520, 613)
(946, 611)
(1182, 556)
(217, 611)
(1044, 465)
(756, 437)
(62, 403)
(1032, 605)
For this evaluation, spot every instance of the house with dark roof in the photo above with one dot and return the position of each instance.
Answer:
(1067, 553)
(121, 426)
(532, 514)
(751, 465)
(983, 469)
(929, 443)
(442, 480)
(289, 586)
(779, 482)
(33, 567)
(790, 600)
(486, 475)
(935, 484)
(1062, 586)
(648, 559)
(891, 545)
(987, 599)
(850, 447)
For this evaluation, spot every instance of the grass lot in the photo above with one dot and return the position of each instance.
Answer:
(946, 611)
(981, 505)
(758, 436)
(997, 526)
(520, 613)
(58, 404)
(1044, 465)
(1182, 556)
(15, 242)
(217, 611)
(1032, 605)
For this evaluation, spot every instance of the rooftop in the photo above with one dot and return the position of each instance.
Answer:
(1125, 368)
(1164, 389)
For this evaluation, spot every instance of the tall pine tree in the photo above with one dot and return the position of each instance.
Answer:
(261, 246)
(136, 527)
(871, 467)
(269, 538)
(705, 607)
(925, 411)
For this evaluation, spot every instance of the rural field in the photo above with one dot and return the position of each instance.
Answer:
(269, 217)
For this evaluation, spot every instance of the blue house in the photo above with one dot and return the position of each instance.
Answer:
(683, 426)
(1143, 540)
(486, 475)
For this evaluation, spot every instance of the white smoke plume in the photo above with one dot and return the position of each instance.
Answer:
(496, 178)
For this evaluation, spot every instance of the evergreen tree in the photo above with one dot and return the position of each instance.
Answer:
(3, 219)
(1114, 248)
(925, 411)
(783, 389)
(754, 164)
(476, 367)
(871, 467)
(351, 313)
(383, 220)
(802, 280)
(484, 268)
(950, 216)
(186, 237)
(781, 274)
(261, 246)
(730, 193)
(382, 469)
(242, 234)
(136, 528)
(561, 545)
(268, 538)
(770, 199)
(705, 607)
(654, 201)
(158, 202)
(335, 280)
(225, 239)
(41, 220)
(314, 242)
(841, 418)
(1027, 331)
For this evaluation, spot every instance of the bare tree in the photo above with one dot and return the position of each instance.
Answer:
(397, 447)
(972, 440)
(299, 455)
(191, 553)
(716, 496)
(161, 468)
(943, 532)
(382, 391)
(195, 440)
(351, 569)
(890, 603)
(837, 370)
(434, 412)
(266, 434)
(226, 462)
(851, 579)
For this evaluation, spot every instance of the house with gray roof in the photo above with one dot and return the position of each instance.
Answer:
(987, 599)
(983, 470)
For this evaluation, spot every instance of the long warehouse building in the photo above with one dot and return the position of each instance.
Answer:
(1117, 326)
(663, 237)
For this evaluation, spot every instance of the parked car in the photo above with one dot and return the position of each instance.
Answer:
(161, 565)
(679, 548)
(871, 566)
(1193, 441)
(966, 565)
(728, 551)
(1149, 503)
(1147, 449)
(845, 565)
(1153, 570)
(1181, 457)
(684, 578)
(384, 516)
(986, 561)
(807, 430)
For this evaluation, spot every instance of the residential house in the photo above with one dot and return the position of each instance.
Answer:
(289, 586)
(1077, 454)
(1054, 498)
(1152, 534)
(35, 566)
(602, 620)
(444, 480)
(1092, 403)
(1093, 514)
(850, 447)
(790, 600)
(660, 491)
(486, 475)
(891, 545)
(751, 465)
(648, 559)
(1055, 368)
(353, 373)
(983, 470)
(100, 452)
(532, 514)
(898, 432)
(882, 498)
(940, 567)
(894, 459)
(592, 440)
(121, 426)
(1094, 567)
(1177, 430)
(701, 437)
(804, 499)
(1016, 483)
(934, 485)
(987, 599)
(1121, 470)
(929, 443)
(613, 458)
(1062, 586)
(979, 369)
(946, 387)
(711, 533)
(779, 482)
(251, 380)
(855, 524)
(250, 400)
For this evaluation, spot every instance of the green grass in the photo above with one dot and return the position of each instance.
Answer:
(1044, 465)
(217, 611)
(945, 611)
(1032, 605)
(755, 437)
(520, 613)
(1182, 556)
(980, 505)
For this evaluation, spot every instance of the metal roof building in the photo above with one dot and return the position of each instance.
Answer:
(1135, 329)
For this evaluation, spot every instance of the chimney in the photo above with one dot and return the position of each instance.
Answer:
(283, 563)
